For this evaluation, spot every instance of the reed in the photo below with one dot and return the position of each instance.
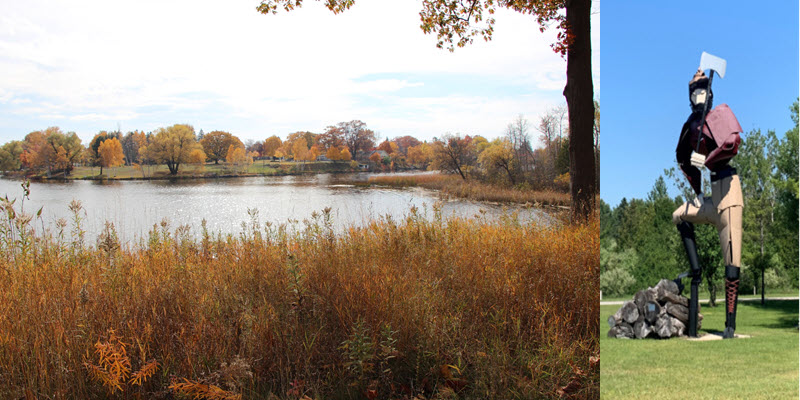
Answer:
(474, 190)
(423, 307)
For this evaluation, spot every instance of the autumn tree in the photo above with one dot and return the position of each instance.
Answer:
(389, 147)
(406, 142)
(353, 134)
(238, 157)
(111, 154)
(131, 143)
(332, 137)
(254, 148)
(271, 144)
(499, 155)
(344, 154)
(10, 156)
(456, 23)
(333, 153)
(197, 156)
(93, 150)
(173, 146)
(216, 143)
(454, 154)
(51, 150)
(420, 155)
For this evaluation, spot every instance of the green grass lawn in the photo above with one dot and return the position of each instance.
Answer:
(720, 295)
(764, 366)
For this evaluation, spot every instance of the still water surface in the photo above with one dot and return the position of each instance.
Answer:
(135, 206)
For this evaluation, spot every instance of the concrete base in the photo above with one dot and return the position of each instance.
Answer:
(715, 336)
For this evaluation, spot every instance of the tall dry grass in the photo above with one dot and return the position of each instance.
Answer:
(454, 186)
(422, 307)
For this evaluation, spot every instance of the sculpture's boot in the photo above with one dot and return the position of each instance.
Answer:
(687, 235)
(731, 297)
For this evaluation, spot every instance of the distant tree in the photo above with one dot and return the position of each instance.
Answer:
(173, 146)
(406, 142)
(333, 153)
(355, 136)
(216, 143)
(10, 156)
(111, 154)
(518, 134)
(197, 156)
(51, 150)
(420, 155)
(786, 208)
(255, 148)
(93, 151)
(454, 154)
(375, 158)
(131, 143)
(389, 147)
(270, 145)
(499, 155)
(756, 165)
(344, 154)
(332, 137)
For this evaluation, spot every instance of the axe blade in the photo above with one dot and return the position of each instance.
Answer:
(708, 61)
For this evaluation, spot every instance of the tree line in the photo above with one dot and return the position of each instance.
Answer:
(509, 160)
(640, 245)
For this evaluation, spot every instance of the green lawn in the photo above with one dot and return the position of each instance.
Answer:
(764, 366)
(720, 295)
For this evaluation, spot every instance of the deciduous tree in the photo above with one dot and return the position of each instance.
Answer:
(454, 154)
(271, 145)
(499, 155)
(51, 150)
(10, 156)
(111, 154)
(173, 146)
(216, 143)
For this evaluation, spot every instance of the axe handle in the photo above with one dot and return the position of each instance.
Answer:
(705, 112)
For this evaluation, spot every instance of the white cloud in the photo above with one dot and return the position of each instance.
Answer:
(100, 61)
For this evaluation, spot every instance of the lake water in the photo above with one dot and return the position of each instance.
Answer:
(135, 206)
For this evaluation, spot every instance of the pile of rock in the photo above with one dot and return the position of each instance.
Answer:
(658, 312)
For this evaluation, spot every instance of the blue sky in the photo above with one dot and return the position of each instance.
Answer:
(91, 65)
(650, 52)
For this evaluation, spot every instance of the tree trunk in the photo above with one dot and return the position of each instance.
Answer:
(579, 93)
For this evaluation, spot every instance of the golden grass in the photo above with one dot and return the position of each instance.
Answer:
(412, 308)
(474, 190)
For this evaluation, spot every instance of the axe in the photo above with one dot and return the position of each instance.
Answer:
(715, 64)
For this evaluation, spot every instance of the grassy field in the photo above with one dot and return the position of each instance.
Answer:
(764, 366)
(454, 186)
(208, 170)
(721, 295)
(399, 309)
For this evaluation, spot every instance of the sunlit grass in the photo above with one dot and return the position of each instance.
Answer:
(764, 366)
(421, 307)
(471, 189)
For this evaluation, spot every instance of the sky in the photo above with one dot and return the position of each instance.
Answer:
(650, 52)
(92, 65)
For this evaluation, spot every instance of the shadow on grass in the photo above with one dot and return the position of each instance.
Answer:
(787, 308)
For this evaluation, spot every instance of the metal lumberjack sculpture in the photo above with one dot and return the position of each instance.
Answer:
(713, 148)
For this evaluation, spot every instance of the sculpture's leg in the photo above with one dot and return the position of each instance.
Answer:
(687, 235)
(731, 296)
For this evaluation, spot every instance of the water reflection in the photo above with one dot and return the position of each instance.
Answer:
(135, 206)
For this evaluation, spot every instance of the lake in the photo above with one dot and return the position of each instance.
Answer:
(135, 206)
